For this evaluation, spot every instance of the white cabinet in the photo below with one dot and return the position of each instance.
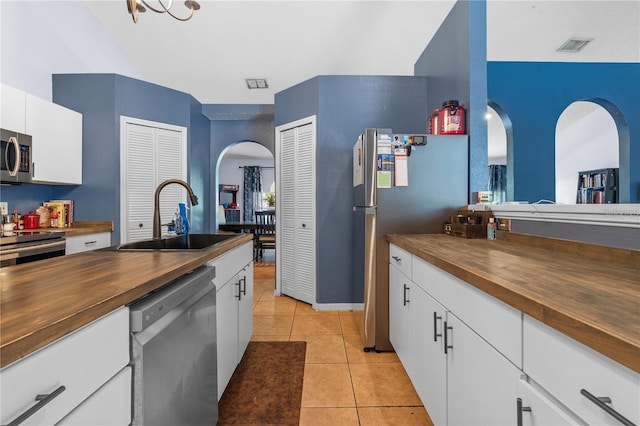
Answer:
(56, 134)
(536, 409)
(234, 309)
(86, 242)
(481, 383)
(109, 405)
(12, 110)
(150, 153)
(295, 224)
(459, 375)
(565, 367)
(69, 370)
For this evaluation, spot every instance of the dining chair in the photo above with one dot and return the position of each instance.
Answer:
(265, 233)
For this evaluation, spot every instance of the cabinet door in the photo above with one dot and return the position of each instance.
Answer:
(226, 332)
(482, 384)
(399, 321)
(56, 141)
(245, 310)
(429, 362)
(13, 109)
(538, 410)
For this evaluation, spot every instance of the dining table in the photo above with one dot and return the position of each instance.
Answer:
(238, 227)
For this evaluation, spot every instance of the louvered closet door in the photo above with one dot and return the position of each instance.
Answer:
(169, 165)
(297, 213)
(287, 213)
(139, 181)
(305, 214)
(153, 155)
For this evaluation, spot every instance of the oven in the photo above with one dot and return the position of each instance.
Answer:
(16, 164)
(17, 247)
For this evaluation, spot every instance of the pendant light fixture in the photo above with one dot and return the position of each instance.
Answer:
(139, 6)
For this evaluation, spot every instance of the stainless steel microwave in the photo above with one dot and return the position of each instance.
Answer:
(16, 164)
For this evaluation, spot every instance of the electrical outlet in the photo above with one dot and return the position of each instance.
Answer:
(4, 207)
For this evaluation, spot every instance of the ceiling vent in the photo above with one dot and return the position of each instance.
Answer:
(574, 45)
(257, 83)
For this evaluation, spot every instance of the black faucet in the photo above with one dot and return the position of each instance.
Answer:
(156, 203)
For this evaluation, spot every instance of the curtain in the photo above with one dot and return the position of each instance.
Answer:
(252, 195)
(498, 182)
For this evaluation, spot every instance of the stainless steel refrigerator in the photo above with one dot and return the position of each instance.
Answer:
(398, 194)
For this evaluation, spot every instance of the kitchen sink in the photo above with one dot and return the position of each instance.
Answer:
(192, 242)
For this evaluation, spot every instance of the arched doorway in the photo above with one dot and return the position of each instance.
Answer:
(230, 171)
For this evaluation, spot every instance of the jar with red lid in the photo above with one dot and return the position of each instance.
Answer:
(434, 129)
(451, 118)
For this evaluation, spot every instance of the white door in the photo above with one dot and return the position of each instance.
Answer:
(150, 154)
(295, 214)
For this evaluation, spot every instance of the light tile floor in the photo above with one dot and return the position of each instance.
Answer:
(343, 385)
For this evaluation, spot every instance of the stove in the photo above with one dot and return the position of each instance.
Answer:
(24, 246)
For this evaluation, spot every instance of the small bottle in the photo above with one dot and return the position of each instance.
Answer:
(491, 229)
(182, 207)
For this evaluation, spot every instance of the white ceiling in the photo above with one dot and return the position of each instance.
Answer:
(288, 42)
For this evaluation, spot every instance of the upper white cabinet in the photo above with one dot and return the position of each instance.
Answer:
(56, 134)
(12, 113)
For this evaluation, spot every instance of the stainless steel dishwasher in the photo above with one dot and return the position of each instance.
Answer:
(173, 352)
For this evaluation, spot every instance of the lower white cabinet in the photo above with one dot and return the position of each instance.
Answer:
(66, 372)
(569, 371)
(533, 408)
(481, 383)
(86, 242)
(109, 405)
(234, 310)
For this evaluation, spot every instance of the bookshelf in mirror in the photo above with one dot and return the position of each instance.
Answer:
(597, 186)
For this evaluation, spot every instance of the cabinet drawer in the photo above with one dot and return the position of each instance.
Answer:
(401, 259)
(110, 405)
(81, 362)
(564, 366)
(498, 323)
(228, 264)
(80, 243)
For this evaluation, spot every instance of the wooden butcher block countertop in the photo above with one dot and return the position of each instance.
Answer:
(45, 300)
(590, 293)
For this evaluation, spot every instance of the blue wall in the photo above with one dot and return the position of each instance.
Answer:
(534, 94)
(455, 64)
(344, 106)
(102, 99)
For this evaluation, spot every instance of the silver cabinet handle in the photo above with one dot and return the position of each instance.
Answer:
(90, 242)
(396, 258)
(520, 409)
(42, 401)
(602, 403)
(436, 317)
(404, 295)
(244, 285)
(239, 295)
(447, 346)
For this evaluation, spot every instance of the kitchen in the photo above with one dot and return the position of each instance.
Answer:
(171, 104)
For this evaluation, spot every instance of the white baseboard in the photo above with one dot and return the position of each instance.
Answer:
(338, 306)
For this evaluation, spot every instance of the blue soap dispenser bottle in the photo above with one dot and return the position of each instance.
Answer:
(183, 221)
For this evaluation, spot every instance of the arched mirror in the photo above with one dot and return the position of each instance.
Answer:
(587, 146)
(500, 156)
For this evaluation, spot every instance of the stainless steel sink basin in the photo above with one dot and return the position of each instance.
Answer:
(194, 242)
